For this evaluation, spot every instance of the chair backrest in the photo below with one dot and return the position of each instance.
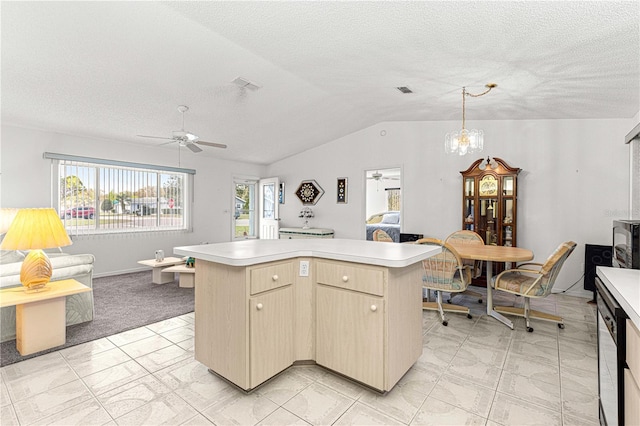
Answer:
(380, 235)
(465, 237)
(551, 267)
(444, 270)
(468, 237)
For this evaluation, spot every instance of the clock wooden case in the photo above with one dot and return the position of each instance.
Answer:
(489, 201)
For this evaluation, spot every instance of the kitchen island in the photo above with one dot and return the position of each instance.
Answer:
(352, 306)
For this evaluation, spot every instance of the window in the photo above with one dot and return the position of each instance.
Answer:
(100, 196)
(393, 199)
(245, 216)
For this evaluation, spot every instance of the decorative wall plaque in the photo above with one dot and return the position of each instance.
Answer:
(342, 191)
(309, 192)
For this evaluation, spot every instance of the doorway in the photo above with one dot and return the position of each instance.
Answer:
(383, 201)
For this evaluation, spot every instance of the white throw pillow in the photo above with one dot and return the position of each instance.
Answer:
(391, 218)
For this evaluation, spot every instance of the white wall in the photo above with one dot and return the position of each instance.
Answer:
(574, 180)
(26, 182)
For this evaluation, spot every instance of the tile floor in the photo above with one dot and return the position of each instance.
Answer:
(473, 372)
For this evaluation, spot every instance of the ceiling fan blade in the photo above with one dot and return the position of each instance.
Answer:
(154, 137)
(213, 144)
(193, 147)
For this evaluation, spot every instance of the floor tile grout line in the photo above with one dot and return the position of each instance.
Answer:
(431, 327)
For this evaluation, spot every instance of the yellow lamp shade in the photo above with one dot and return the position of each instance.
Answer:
(35, 229)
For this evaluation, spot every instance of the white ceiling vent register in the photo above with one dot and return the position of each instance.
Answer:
(244, 83)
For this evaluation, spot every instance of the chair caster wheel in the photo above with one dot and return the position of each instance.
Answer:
(469, 316)
(530, 329)
(445, 323)
(561, 326)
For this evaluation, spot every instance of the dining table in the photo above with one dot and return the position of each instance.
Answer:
(490, 254)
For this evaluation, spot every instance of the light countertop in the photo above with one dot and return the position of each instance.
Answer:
(624, 285)
(251, 252)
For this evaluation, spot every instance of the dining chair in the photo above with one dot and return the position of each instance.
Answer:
(468, 237)
(444, 272)
(533, 280)
(380, 235)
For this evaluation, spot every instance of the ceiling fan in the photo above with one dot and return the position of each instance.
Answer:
(379, 176)
(184, 138)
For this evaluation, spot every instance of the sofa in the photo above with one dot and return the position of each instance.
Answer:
(79, 307)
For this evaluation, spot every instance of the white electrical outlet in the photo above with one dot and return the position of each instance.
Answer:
(304, 268)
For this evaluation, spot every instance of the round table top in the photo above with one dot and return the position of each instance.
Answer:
(492, 253)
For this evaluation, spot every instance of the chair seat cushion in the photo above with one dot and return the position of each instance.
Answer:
(516, 282)
(445, 285)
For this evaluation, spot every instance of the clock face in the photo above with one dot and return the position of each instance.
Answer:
(488, 186)
(309, 192)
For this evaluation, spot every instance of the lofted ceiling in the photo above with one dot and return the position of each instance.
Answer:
(115, 70)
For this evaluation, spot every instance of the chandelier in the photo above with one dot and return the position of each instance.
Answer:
(466, 141)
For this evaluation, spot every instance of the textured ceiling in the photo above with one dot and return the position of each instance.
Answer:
(326, 69)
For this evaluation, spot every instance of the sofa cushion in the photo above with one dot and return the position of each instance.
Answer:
(10, 256)
(64, 267)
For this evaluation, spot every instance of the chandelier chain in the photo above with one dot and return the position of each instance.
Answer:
(465, 94)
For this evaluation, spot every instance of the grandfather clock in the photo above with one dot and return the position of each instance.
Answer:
(489, 201)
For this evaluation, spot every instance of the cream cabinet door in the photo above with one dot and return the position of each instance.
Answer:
(349, 334)
(270, 334)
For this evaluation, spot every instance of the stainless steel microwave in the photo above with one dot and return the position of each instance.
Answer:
(626, 244)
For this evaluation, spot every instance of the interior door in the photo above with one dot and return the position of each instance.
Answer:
(383, 189)
(269, 221)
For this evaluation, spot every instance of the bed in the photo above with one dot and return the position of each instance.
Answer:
(389, 222)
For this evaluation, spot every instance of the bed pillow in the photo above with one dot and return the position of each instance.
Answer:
(391, 218)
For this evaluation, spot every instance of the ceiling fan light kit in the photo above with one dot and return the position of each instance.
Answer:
(466, 141)
(184, 138)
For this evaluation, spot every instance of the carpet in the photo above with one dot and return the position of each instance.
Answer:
(122, 302)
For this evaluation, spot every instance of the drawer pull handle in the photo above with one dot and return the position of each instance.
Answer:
(345, 278)
(374, 308)
(275, 278)
(259, 306)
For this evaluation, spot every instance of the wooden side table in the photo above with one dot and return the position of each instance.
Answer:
(186, 274)
(41, 316)
(159, 276)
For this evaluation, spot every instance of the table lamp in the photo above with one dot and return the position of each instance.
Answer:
(35, 230)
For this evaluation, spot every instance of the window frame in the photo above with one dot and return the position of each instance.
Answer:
(103, 168)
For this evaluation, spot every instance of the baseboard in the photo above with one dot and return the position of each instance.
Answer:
(124, 271)
(576, 292)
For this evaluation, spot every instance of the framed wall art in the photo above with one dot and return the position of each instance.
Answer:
(309, 192)
(341, 197)
(281, 193)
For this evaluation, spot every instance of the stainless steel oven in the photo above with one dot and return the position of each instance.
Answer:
(611, 357)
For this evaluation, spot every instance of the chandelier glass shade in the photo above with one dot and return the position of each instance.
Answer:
(466, 141)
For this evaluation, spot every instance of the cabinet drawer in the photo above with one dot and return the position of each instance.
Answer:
(271, 276)
(347, 276)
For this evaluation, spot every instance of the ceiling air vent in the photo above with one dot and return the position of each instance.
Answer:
(243, 82)
(404, 89)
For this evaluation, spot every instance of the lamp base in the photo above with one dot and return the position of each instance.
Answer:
(37, 289)
(36, 270)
